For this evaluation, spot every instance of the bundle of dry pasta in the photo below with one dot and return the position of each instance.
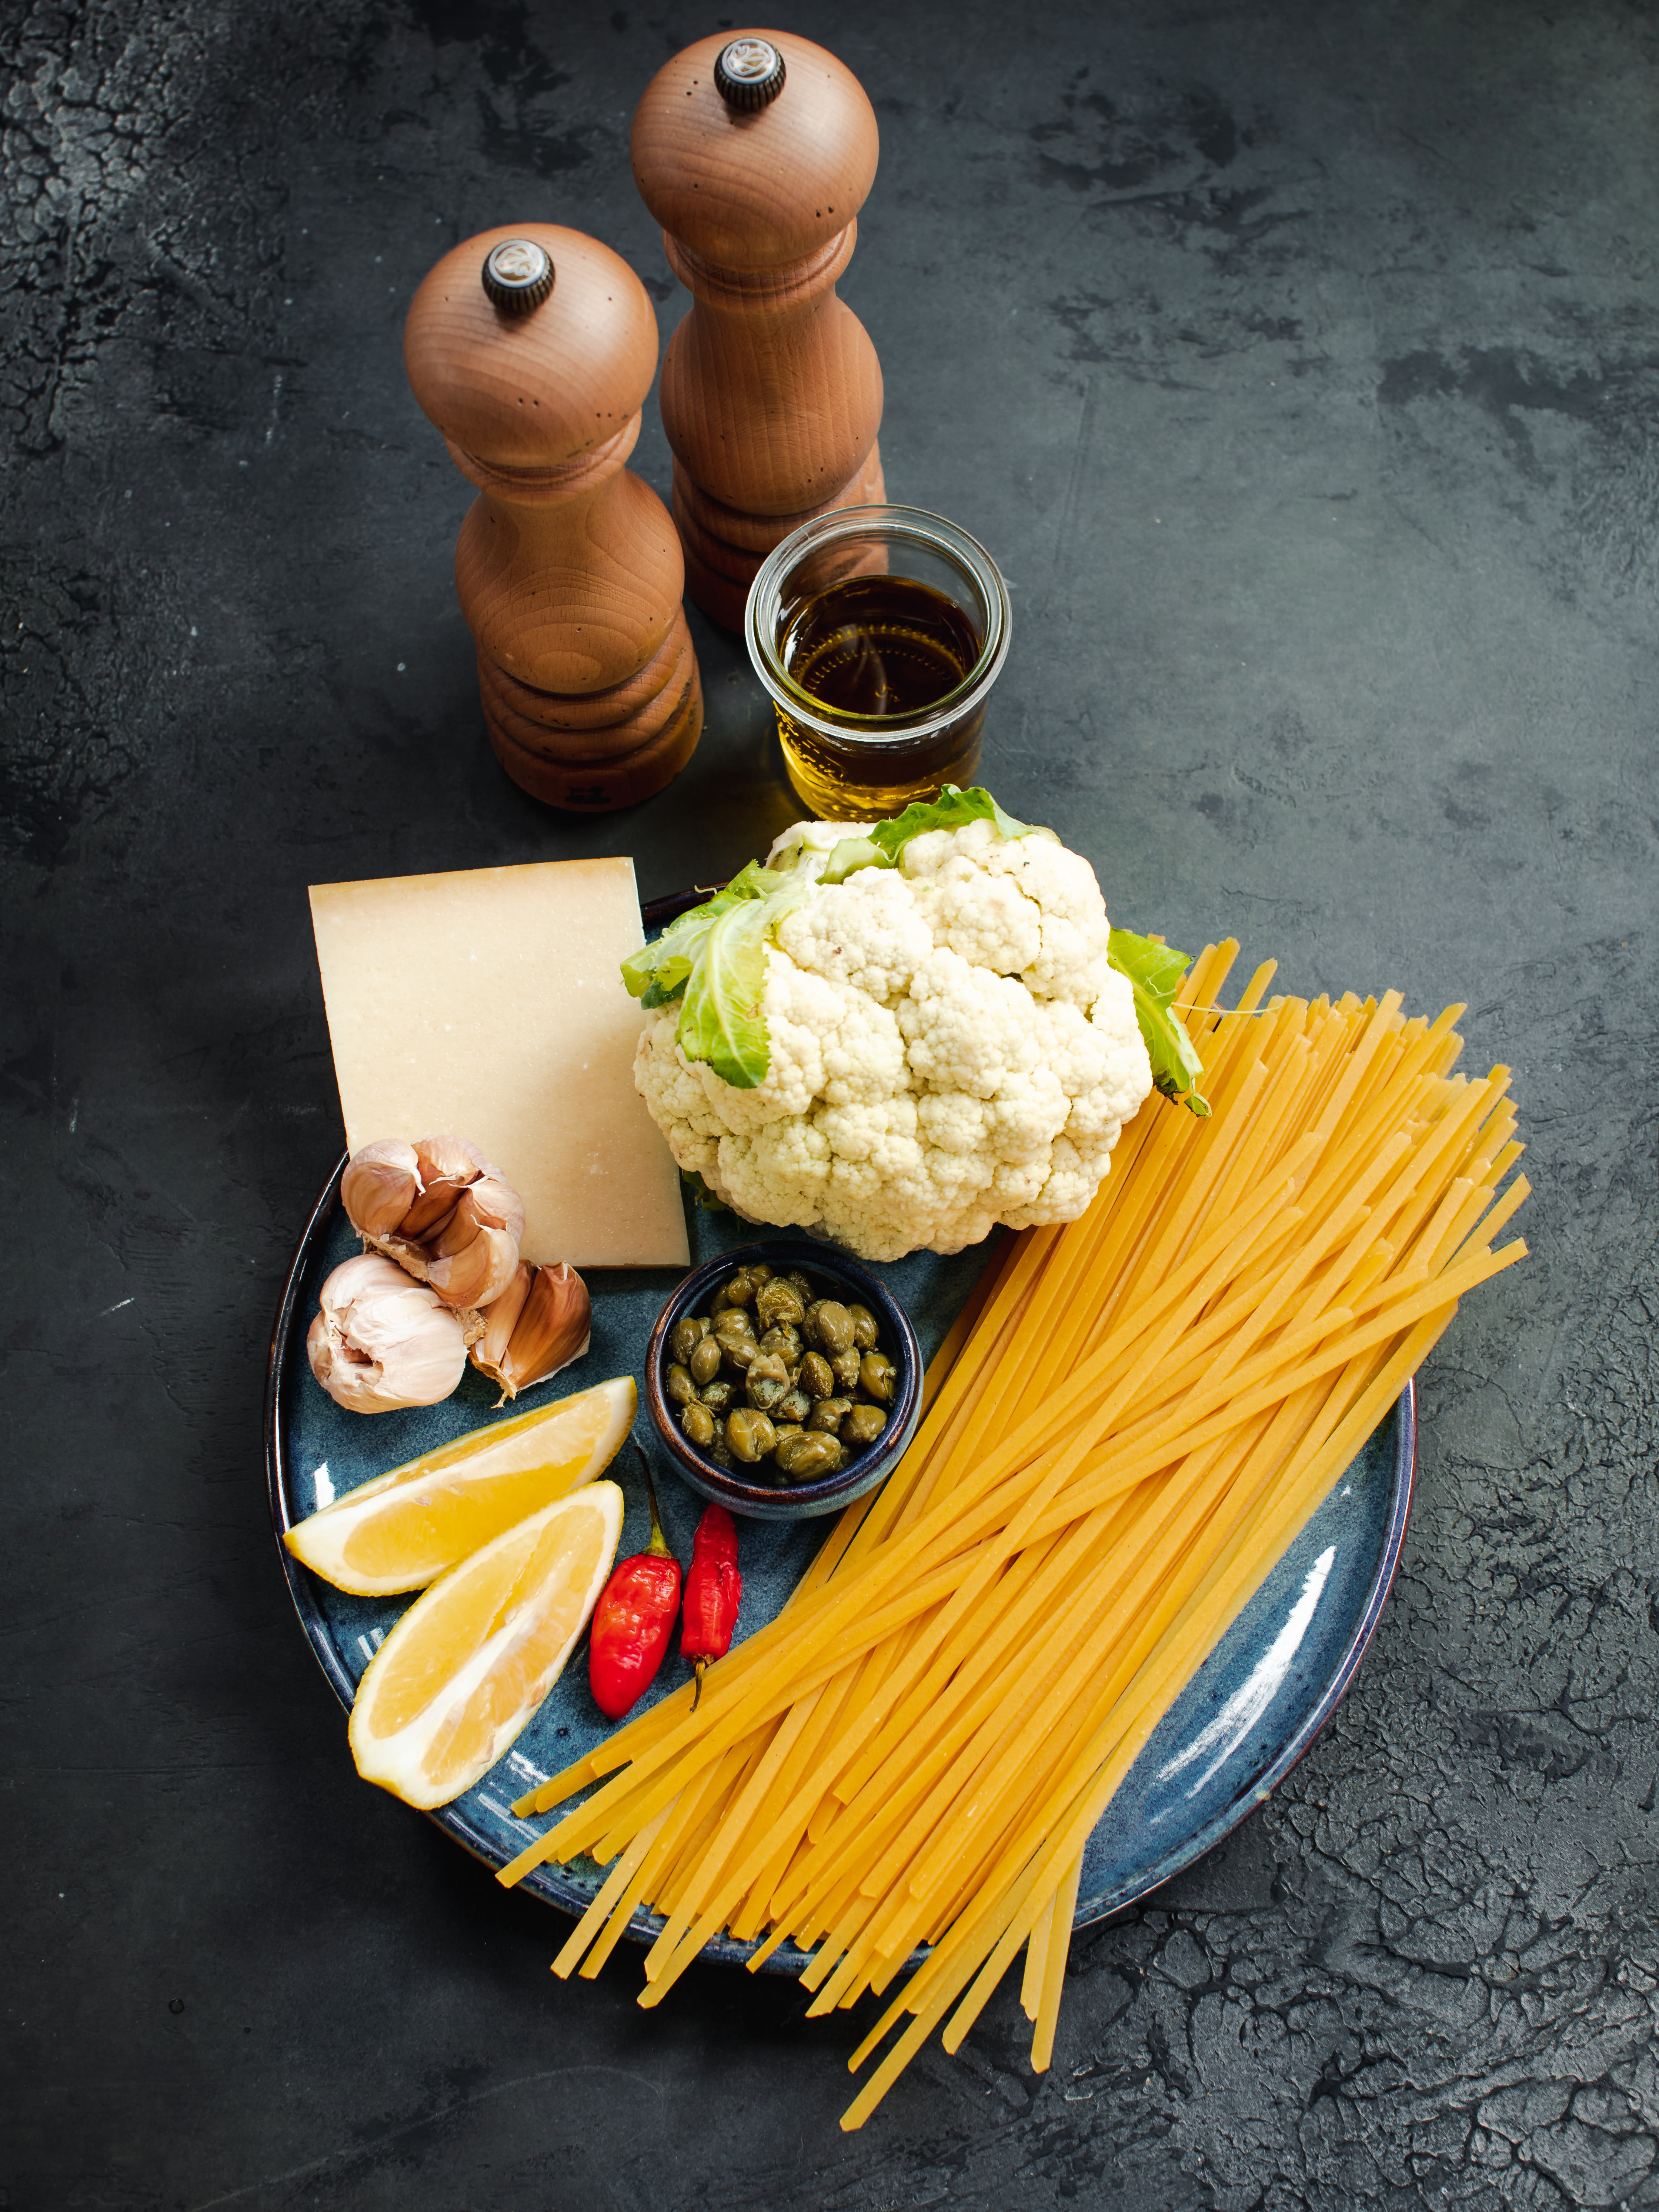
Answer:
(1137, 1417)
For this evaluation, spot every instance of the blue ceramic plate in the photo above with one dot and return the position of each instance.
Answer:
(1242, 1725)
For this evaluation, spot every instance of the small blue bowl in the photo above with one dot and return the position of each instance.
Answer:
(798, 1501)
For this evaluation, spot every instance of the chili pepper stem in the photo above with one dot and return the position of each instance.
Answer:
(699, 1667)
(658, 1542)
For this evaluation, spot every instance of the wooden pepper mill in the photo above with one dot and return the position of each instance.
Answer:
(755, 152)
(532, 349)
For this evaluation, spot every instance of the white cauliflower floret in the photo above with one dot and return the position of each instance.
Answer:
(866, 931)
(673, 1091)
(1024, 906)
(949, 1048)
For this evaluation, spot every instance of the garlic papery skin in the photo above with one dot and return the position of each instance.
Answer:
(381, 1181)
(380, 1341)
(449, 1159)
(459, 1222)
(477, 1274)
(541, 1322)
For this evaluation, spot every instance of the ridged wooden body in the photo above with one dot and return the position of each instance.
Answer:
(771, 390)
(567, 568)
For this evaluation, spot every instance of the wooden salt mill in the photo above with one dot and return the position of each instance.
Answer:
(755, 151)
(532, 349)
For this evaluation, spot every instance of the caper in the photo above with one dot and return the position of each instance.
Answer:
(806, 1457)
(704, 1361)
(862, 1426)
(828, 1413)
(717, 1395)
(816, 1378)
(780, 1301)
(739, 1289)
(802, 1283)
(735, 1336)
(678, 1386)
(721, 1452)
(877, 1375)
(767, 1380)
(784, 1340)
(835, 1325)
(865, 1331)
(793, 1406)
(782, 1429)
(699, 1424)
(689, 1333)
(750, 1434)
(758, 1272)
(844, 1366)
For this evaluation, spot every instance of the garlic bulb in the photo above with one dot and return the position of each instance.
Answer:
(540, 1323)
(380, 1341)
(439, 1210)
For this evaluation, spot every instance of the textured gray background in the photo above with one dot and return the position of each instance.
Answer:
(1301, 365)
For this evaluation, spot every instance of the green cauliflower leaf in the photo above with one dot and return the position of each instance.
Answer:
(660, 971)
(1155, 971)
(883, 845)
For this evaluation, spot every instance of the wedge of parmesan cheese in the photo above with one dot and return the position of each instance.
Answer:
(487, 1004)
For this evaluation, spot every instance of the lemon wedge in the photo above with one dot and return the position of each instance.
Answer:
(474, 1656)
(405, 1528)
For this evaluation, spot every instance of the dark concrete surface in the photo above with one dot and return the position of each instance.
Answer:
(1300, 364)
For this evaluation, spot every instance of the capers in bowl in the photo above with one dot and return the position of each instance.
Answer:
(689, 1333)
(704, 1364)
(779, 1302)
(750, 1434)
(810, 1456)
(816, 1378)
(863, 1424)
(780, 1380)
(877, 1375)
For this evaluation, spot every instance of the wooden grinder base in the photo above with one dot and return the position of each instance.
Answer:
(592, 751)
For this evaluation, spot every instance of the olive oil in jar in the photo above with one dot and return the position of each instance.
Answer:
(886, 652)
(880, 646)
(878, 632)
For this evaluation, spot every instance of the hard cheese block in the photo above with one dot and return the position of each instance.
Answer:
(488, 1004)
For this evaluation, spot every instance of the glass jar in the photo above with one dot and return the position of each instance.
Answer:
(878, 632)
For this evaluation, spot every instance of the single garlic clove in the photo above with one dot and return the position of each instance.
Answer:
(380, 1183)
(448, 1159)
(551, 1327)
(555, 1326)
(380, 1341)
(455, 1234)
(495, 1205)
(430, 1210)
(497, 1322)
(478, 1272)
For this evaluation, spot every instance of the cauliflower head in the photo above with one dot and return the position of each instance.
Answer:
(950, 1047)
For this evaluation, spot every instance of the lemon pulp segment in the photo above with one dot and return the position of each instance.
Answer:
(473, 1658)
(406, 1528)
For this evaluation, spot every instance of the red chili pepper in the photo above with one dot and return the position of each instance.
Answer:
(633, 1620)
(713, 1588)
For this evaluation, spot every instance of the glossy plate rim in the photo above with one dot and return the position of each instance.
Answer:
(548, 1882)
